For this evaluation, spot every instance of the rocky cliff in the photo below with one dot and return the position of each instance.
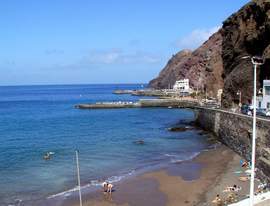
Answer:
(172, 70)
(203, 67)
(218, 63)
(245, 33)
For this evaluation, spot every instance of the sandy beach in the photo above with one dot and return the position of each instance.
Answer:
(189, 183)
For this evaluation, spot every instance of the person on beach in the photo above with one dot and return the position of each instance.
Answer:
(261, 188)
(243, 178)
(217, 201)
(231, 198)
(245, 164)
(110, 186)
(105, 186)
(235, 188)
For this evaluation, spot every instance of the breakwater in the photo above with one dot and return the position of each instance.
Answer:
(148, 92)
(142, 103)
(235, 131)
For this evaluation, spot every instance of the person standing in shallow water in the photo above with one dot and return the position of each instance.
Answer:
(109, 188)
(105, 186)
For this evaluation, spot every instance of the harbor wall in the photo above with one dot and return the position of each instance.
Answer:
(176, 103)
(235, 131)
(167, 103)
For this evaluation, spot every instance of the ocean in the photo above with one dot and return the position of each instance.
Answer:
(39, 119)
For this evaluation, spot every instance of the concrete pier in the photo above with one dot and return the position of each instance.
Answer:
(177, 103)
(123, 91)
(148, 92)
(108, 105)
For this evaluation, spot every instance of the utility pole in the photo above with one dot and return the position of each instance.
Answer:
(240, 99)
(78, 176)
(255, 61)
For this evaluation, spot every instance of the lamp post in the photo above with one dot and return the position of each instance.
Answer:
(240, 98)
(205, 93)
(256, 61)
(78, 176)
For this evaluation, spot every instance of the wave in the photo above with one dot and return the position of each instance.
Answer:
(93, 183)
(17, 202)
(174, 158)
(178, 158)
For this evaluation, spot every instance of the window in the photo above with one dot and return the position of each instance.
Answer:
(268, 105)
(260, 104)
(267, 90)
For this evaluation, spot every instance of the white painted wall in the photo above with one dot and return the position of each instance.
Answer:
(264, 100)
(182, 85)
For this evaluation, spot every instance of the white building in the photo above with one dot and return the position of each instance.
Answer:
(219, 95)
(182, 86)
(264, 100)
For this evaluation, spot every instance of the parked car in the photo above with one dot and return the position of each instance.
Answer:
(263, 112)
(246, 110)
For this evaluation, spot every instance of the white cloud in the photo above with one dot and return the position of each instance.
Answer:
(97, 58)
(196, 38)
(102, 57)
(117, 56)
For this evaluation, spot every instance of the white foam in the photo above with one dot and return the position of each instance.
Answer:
(17, 203)
(119, 178)
(170, 155)
(175, 160)
(64, 193)
(94, 183)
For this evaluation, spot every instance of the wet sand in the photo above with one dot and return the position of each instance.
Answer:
(188, 183)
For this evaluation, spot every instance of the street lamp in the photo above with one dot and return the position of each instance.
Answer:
(240, 98)
(256, 61)
(78, 176)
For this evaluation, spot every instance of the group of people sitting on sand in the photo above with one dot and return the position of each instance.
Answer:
(107, 187)
(231, 193)
(234, 188)
(231, 197)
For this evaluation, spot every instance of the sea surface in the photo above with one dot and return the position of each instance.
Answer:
(39, 119)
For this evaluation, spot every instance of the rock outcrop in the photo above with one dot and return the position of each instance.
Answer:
(171, 71)
(245, 33)
(218, 63)
(203, 67)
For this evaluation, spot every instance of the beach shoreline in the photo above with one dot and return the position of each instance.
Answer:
(192, 182)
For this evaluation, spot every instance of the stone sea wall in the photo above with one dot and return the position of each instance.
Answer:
(235, 131)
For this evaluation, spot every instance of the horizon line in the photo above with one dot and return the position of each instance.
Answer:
(66, 84)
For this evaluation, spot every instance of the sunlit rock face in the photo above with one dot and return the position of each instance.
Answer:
(203, 67)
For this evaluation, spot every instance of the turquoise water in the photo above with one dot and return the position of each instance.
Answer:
(38, 119)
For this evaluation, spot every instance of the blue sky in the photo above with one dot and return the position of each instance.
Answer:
(100, 41)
